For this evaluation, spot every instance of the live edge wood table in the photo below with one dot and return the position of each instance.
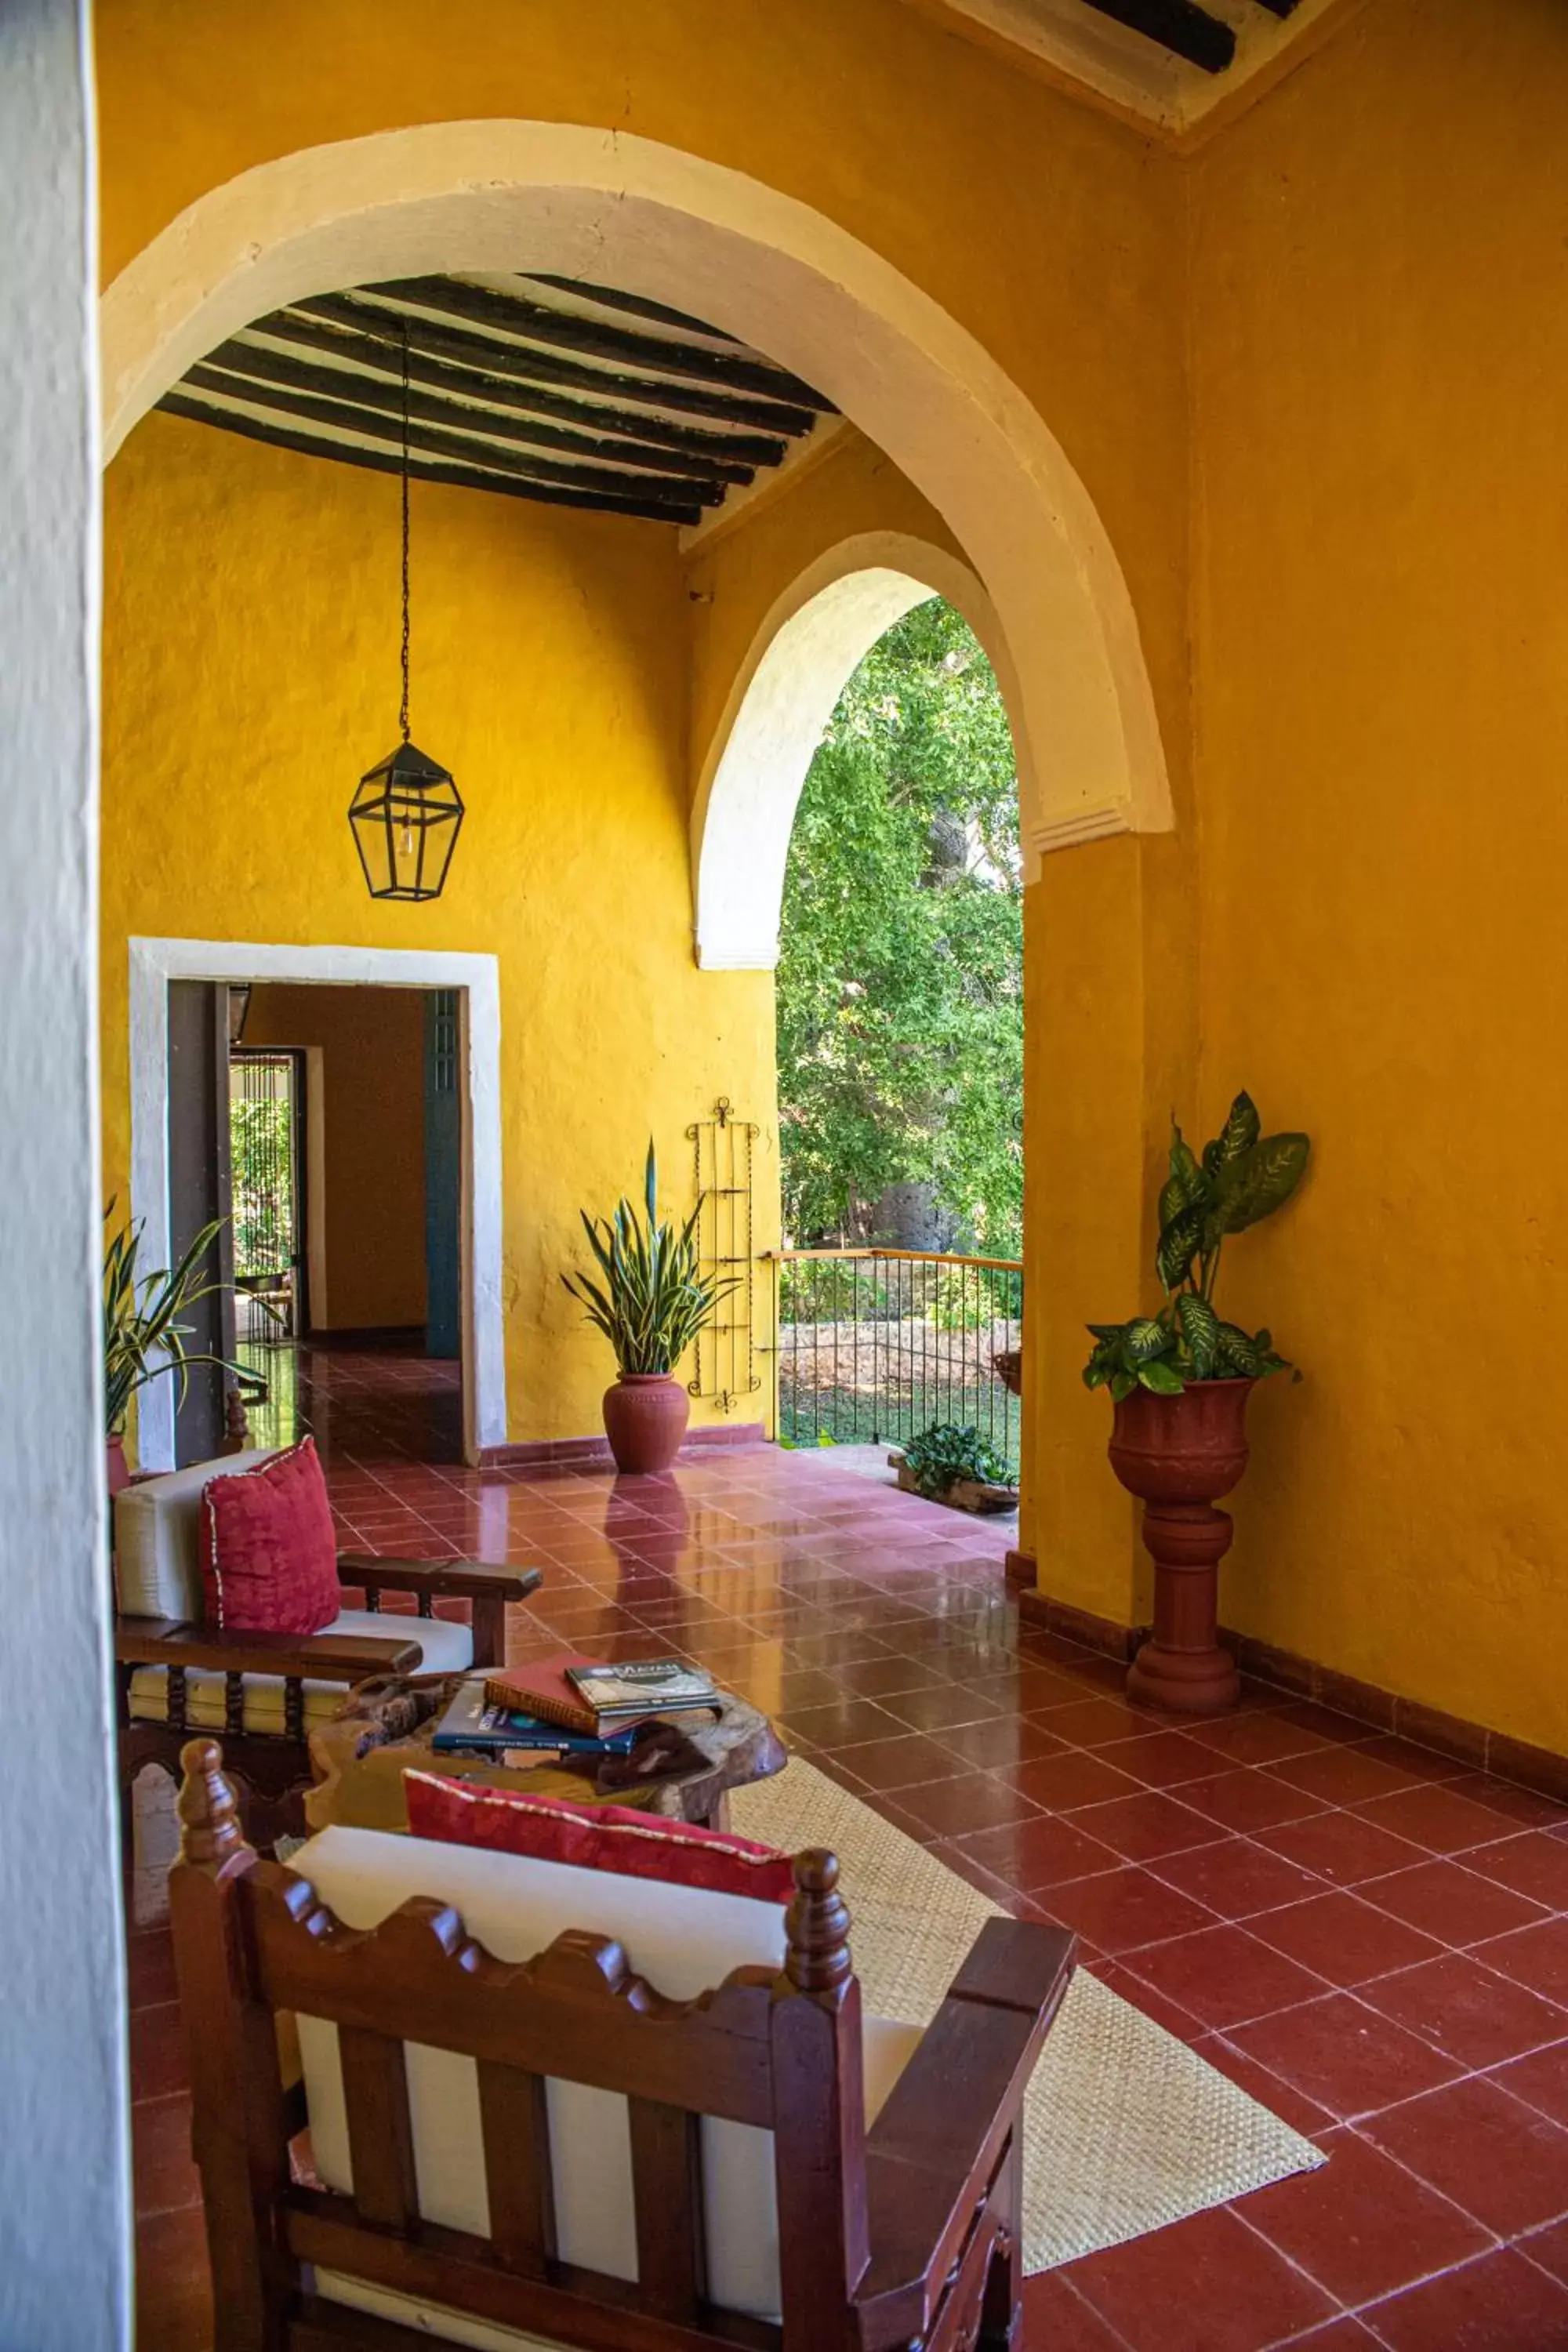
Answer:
(385, 1726)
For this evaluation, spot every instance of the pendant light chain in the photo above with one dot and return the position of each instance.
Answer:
(403, 713)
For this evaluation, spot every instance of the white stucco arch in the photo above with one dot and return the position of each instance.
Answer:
(801, 659)
(562, 197)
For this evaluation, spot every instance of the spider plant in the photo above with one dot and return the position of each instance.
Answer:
(654, 1299)
(142, 1333)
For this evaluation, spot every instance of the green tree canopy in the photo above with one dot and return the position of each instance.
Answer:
(900, 1008)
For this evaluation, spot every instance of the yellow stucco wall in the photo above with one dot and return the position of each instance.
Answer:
(1380, 346)
(250, 652)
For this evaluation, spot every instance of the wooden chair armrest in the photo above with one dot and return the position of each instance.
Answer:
(932, 2152)
(344, 1658)
(475, 1580)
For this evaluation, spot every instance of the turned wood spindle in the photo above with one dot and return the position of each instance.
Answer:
(207, 1807)
(816, 1925)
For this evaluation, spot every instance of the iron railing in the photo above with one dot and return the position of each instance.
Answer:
(875, 1345)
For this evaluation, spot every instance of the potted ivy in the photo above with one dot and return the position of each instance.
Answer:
(949, 1465)
(143, 1335)
(652, 1303)
(1179, 1382)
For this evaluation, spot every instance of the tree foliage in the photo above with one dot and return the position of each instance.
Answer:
(900, 973)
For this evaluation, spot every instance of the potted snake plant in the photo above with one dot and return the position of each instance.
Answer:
(1179, 1383)
(143, 1335)
(652, 1302)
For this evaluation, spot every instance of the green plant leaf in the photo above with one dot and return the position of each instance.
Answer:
(1146, 1339)
(1200, 1329)
(1240, 1132)
(1179, 1242)
(1237, 1354)
(1122, 1385)
(1163, 1378)
(1262, 1181)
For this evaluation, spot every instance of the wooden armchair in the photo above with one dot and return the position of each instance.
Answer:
(266, 1691)
(903, 2232)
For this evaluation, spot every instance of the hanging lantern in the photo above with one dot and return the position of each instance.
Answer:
(406, 812)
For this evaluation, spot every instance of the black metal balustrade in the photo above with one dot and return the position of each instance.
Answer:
(875, 1345)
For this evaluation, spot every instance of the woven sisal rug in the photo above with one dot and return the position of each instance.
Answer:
(1125, 2128)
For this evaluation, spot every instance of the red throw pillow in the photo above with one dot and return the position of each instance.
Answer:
(269, 1556)
(595, 1837)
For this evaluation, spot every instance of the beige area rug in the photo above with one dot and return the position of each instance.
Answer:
(1125, 2128)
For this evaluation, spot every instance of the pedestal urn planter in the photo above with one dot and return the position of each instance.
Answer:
(646, 1415)
(1178, 1454)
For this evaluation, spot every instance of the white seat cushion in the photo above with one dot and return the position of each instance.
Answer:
(447, 1649)
(682, 1940)
(157, 1538)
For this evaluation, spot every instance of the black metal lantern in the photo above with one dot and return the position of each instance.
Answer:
(406, 812)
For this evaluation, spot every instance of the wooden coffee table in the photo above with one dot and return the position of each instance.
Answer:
(385, 1729)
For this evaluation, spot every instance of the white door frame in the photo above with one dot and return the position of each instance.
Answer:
(155, 962)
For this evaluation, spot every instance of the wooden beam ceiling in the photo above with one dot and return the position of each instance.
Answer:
(530, 386)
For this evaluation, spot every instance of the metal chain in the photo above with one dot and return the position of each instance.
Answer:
(403, 713)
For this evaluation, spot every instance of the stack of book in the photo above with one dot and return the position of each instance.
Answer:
(573, 1706)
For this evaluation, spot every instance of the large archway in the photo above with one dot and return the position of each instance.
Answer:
(588, 202)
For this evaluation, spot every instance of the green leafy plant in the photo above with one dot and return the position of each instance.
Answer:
(654, 1299)
(142, 1333)
(1238, 1178)
(943, 1454)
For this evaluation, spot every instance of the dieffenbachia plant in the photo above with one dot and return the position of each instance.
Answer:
(1240, 1177)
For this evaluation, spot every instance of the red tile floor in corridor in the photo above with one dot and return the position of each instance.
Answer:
(1371, 1939)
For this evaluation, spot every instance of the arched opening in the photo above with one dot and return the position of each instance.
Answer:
(686, 232)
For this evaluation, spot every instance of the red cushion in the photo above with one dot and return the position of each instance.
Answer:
(269, 1556)
(595, 1837)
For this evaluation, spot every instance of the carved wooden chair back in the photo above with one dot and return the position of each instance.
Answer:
(778, 2050)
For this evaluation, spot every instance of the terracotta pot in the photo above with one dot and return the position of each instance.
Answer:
(119, 1469)
(646, 1415)
(1177, 1453)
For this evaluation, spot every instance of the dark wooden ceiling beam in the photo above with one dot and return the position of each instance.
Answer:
(1280, 7)
(509, 314)
(529, 365)
(421, 470)
(1179, 26)
(383, 354)
(233, 364)
(459, 448)
(638, 306)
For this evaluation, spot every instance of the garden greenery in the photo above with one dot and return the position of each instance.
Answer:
(1239, 1178)
(943, 1454)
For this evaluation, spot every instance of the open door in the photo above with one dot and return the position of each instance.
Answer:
(200, 1189)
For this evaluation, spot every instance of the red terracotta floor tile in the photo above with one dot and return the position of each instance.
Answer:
(165, 2176)
(1541, 2079)
(1343, 1848)
(1346, 2334)
(1145, 1828)
(1534, 1862)
(1348, 2057)
(1237, 1878)
(1056, 2316)
(880, 1678)
(898, 1763)
(150, 1966)
(1272, 2091)
(1536, 1957)
(1502, 2161)
(1499, 2304)
(845, 1722)
(1160, 1759)
(1435, 1818)
(968, 1802)
(1095, 1722)
(1039, 1853)
(1077, 1777)
(942, 1709)
(1122, 1909)
(1549, 2248)
(1258, 1739)
(1343, 1938)
(1208, 2285)
(1247, 1800)
(1328, 1722)
(1224, 1976)
(1362, 2226)
(1525, 1807)
(1004, 1740)
(1341, 1775)
(1450, 1900)
(159, 2062)
(1477, 2017)
(174, 2289)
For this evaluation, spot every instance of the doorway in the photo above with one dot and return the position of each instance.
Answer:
(339, 1109)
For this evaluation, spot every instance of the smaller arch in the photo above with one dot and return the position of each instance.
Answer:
(805, 652)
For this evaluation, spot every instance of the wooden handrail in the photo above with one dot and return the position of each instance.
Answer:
(928, 1257)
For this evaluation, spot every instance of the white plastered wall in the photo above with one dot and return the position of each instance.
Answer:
(801, 659)
(155, 962)
(64, 2211)
(607, 205)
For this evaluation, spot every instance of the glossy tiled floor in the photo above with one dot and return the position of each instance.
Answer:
(1372, 1940)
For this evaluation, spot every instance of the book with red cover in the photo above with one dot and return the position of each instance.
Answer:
(539, 1687)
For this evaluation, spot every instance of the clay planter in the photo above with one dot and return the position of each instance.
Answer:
(963, 1495)
(646, 1415)
(1177, 1453)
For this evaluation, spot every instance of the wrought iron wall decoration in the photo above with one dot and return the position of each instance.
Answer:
(722, 1150)
(406, 812)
